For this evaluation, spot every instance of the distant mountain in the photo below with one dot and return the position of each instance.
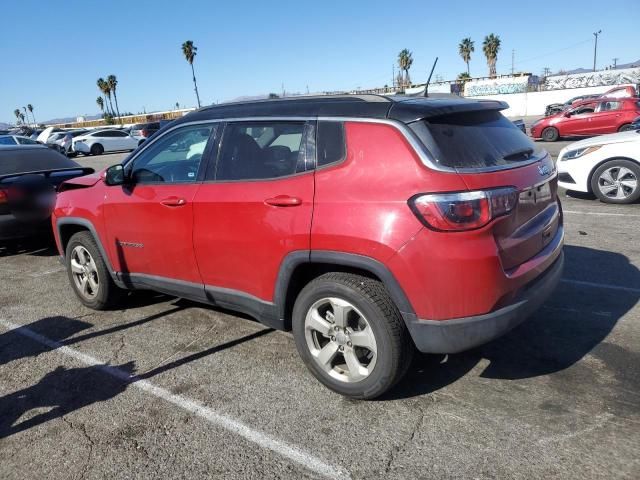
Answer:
(5, 126)
(589, 70)
(70, 119)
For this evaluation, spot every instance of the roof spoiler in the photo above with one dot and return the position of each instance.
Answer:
(53, 172)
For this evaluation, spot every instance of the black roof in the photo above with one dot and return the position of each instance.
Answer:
(399, 107)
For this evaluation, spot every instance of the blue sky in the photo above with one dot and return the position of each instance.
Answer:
(53, 52)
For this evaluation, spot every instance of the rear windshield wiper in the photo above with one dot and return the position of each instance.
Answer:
(525, 153)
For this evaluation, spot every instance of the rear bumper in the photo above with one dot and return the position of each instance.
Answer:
(457, 335)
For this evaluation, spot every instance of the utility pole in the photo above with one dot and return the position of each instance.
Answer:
(595, 48)
(393, 75)
(615, 62)
(513, 56)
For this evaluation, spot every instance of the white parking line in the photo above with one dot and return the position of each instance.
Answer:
(257, 437)
(605, 214)
(601, 285)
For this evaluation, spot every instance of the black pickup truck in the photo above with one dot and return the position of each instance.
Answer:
(29, 178)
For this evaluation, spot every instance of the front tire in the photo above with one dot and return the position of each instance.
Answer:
(351, 335)
(625, 128)
(616, 181)
(550, 134)
(88, 273)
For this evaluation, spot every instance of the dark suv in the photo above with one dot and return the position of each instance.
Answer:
(368, 225)
(142, 131)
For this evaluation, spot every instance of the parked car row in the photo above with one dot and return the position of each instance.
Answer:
(589, 117)
(617, 92)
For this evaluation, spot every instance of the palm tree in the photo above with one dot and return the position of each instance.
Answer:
(100, 103)
(16, 112)
(189, 50)
(30, 108)
(112, 81)
(25, 112)
(491, 47)
(177, 106)
(103, 87)
(463, 77)
(22, 117)
(465, 49)
(405, 59)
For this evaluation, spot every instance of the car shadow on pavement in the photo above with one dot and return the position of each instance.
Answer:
(65, 390)
(574, 321)
(40, 246)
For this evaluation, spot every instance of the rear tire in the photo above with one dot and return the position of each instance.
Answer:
(88, 274)
(617, 181)
(550, 134)
(97, 149)
(625, 128)
(351, 335)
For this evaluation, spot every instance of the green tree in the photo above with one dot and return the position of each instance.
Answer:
(463, 77)
(112, 81)
(27, 115)
(100, 103)
(102, 87)
(405, 60)
(189, 51)
(30, 108)
(491, 47)
(465, 49)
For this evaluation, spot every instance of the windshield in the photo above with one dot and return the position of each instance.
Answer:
(474, 140)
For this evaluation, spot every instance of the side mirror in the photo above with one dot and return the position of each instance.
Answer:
(567, 113)
(114, 175)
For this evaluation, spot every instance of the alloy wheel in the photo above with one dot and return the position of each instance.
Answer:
(618, 182)
(85, 272)
(340, 339)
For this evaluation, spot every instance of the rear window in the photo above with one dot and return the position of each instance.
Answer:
(25, 159)
(474, 140)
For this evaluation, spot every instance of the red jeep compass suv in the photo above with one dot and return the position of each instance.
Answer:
(368, 225)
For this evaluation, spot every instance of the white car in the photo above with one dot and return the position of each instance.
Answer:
(100, 141)
(607, 166)
(16, 140)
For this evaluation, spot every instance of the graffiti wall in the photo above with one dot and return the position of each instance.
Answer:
(496, 86)
(593, 79)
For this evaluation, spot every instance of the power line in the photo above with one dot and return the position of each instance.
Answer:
(554, 52)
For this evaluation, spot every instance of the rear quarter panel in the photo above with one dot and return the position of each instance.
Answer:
(361, 203)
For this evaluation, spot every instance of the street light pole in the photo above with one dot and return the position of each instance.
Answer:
(595, 48)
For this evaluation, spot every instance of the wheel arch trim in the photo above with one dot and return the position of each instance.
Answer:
(375, 267)
(88, 225)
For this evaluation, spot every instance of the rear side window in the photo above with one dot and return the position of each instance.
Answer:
(330, 145)
(474, 140)
(261, 150)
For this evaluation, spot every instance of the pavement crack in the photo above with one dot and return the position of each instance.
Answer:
(82, 428)
(397, 450)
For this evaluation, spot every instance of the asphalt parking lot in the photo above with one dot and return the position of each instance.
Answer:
(170, 388)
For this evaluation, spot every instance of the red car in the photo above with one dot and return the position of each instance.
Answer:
(368, 225)
(589, 117)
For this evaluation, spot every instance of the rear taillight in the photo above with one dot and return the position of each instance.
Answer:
(464, 210)
(3, 197)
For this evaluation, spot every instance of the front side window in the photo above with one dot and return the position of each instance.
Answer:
(607, 106)
(173, 158)
(261, 150)
(584, 109)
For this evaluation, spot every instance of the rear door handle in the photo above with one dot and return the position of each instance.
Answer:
(283, 201)
(173, 202)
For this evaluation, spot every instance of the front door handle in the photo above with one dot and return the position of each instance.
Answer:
(283, 201)
(173, 202)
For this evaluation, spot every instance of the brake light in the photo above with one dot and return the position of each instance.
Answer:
(464, 210)
(3, 197)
